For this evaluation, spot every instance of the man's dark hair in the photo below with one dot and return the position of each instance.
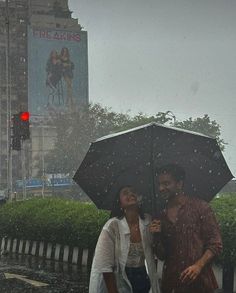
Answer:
(176, 171)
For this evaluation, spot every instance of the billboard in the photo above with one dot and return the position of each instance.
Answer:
(57, 70)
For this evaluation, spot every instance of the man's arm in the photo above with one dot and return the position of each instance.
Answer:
(212, 242)
(192, 272)
(205, 259)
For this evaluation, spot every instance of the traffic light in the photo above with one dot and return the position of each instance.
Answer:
(16, 143)
(24, 125)
(21, 125)
(20, 129)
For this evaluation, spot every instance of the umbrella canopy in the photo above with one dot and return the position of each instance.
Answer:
(131, 157)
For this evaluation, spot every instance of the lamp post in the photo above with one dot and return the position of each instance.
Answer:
(8, 96)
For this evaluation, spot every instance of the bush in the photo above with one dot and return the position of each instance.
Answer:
(53, 220)
(79, 224)
(225, 209)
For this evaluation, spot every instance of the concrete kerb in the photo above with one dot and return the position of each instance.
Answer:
(57, 252)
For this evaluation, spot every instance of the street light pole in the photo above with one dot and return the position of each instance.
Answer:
(43, 162)
(8, 96)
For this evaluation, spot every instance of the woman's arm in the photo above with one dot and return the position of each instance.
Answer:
(110, 281)
(104, 258)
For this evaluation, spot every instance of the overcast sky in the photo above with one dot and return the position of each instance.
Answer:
(157, 55)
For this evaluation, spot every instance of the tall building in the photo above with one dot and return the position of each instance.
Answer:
(48, 75)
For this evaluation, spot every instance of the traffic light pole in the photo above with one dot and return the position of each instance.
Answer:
(23, 169)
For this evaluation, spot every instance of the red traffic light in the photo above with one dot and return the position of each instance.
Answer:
(24, 116)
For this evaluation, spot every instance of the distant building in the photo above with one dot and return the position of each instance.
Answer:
(36, 29)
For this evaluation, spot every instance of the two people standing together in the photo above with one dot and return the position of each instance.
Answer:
(185, 236)
(60, 66)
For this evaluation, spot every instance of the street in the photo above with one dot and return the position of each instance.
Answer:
(30, 274)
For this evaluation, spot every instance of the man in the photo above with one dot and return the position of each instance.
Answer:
(189, 237)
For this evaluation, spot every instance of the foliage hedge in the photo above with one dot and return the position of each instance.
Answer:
(78, 224)
(53, 220)
(225, 209)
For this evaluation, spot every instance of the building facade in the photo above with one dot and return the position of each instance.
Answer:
(29, 28)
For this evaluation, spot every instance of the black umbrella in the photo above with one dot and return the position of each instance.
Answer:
(131, 157)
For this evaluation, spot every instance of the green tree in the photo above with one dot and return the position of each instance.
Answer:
(76, 131)
(141, 119)
(203, 125)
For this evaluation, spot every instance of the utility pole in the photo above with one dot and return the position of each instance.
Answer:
(43, 162)
(8, 96)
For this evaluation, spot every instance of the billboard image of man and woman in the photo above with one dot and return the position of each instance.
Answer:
(57, 71)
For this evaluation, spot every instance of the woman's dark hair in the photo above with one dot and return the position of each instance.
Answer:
(65, 49)
(117, 211)
(176, 171)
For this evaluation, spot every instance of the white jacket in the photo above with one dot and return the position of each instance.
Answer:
(111, 255)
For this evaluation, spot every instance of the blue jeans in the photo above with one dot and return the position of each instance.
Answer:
(139, 279)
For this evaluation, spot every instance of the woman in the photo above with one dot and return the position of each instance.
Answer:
(54, 75)
(67, 73)
(123, 247)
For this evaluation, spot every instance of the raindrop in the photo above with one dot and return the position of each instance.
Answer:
(210, 171)
(217, 155)
(195, 150)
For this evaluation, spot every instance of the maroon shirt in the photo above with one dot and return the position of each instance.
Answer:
(185, 241)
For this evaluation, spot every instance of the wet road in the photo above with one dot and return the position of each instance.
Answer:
(30, 274)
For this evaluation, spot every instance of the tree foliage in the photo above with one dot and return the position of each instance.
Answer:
(203, 125)
(77, 130)
(225, 208)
